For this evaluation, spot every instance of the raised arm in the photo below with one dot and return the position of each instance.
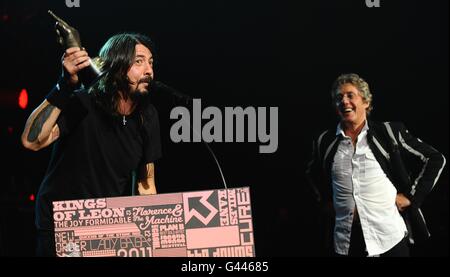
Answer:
(41, 128)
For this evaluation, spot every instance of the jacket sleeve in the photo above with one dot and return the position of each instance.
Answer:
(315, 174)
(433, 163)
(312, 173)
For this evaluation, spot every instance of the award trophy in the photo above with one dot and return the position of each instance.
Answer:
(68, 37)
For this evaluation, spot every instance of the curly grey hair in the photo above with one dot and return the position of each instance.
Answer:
(358, 82)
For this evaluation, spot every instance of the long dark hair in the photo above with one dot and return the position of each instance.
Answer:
(117, 56)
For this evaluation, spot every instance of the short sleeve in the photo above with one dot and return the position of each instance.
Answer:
(74, 112)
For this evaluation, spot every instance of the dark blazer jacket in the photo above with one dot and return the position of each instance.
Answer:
(410, 164)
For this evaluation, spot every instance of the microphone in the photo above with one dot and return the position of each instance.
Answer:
(186, 99)
(180, 97)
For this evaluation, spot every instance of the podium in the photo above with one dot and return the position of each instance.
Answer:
(211, 223)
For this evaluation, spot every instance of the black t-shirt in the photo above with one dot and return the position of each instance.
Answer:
(95, 154)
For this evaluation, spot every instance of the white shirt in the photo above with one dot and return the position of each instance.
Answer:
(358, 180)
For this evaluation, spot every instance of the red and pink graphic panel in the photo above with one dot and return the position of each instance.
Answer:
(213, 223)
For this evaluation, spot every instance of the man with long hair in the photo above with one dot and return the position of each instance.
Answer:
(101, 134)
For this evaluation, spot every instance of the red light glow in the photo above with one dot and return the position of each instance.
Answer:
(23, 99)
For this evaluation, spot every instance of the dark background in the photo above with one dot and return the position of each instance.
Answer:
(282, 54)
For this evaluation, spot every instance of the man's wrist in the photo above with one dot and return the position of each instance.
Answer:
(65, 83)
(60, 94)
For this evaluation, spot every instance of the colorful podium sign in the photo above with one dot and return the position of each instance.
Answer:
(213, 223)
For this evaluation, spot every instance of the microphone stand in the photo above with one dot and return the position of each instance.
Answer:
(186, 99)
